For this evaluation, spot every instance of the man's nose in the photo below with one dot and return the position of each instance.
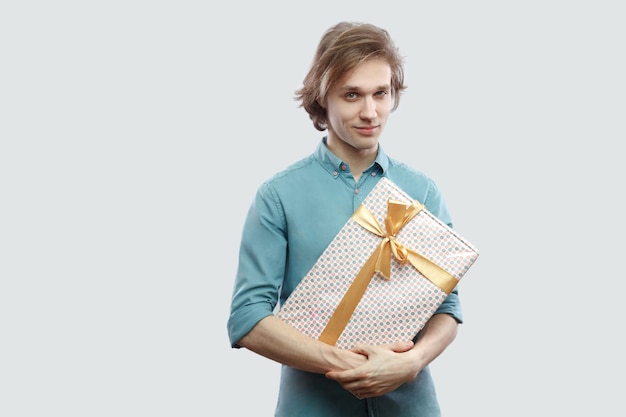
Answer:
(368, 110)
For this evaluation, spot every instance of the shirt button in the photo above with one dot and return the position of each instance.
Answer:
(356, 191)
(335, 173)
(374, 174)
(343, 167)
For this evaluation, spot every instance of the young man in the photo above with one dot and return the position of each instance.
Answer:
(355, 82)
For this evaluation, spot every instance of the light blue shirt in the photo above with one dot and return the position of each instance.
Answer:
(294, 216)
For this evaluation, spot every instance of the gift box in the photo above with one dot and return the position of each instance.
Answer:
(383, 276)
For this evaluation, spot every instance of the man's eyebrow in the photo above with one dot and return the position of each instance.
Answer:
(355, 88)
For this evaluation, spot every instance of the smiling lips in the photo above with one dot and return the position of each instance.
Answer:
(367, 130)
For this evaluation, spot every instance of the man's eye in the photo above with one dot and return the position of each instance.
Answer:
(351, 95)
(381, 93)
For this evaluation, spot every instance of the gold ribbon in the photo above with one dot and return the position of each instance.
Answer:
(398, 215)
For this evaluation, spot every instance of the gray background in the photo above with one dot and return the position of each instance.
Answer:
(135, 133)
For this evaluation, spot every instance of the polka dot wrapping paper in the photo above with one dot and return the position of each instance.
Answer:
(391, 308)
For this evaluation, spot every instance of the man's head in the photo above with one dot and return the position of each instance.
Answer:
(342, 48)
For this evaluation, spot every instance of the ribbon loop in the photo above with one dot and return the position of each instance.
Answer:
(400, 252)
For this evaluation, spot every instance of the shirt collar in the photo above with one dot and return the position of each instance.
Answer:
(333, 164)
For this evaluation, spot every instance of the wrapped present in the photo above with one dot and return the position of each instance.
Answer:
(383, 275)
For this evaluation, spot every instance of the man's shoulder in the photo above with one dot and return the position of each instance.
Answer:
(414, 182)
(404, 172)
(292, 173)
(295, 168)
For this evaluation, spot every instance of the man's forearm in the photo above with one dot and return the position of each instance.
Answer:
(279, 341)
(438, 333)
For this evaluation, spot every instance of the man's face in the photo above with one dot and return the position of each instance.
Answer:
(358, 106)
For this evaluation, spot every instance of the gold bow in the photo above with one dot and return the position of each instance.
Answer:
(398, 215)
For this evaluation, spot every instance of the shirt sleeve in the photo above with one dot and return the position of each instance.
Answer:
(452, 306)
(261, 267)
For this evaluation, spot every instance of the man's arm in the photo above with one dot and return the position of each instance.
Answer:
(389, 367)
(277, 340)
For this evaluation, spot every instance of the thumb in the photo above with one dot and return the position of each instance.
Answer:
(401, 346)
(397, 347)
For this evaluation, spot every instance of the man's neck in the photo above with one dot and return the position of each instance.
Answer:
(358, 159)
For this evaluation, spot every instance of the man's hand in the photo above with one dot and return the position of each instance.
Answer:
(388, 367)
